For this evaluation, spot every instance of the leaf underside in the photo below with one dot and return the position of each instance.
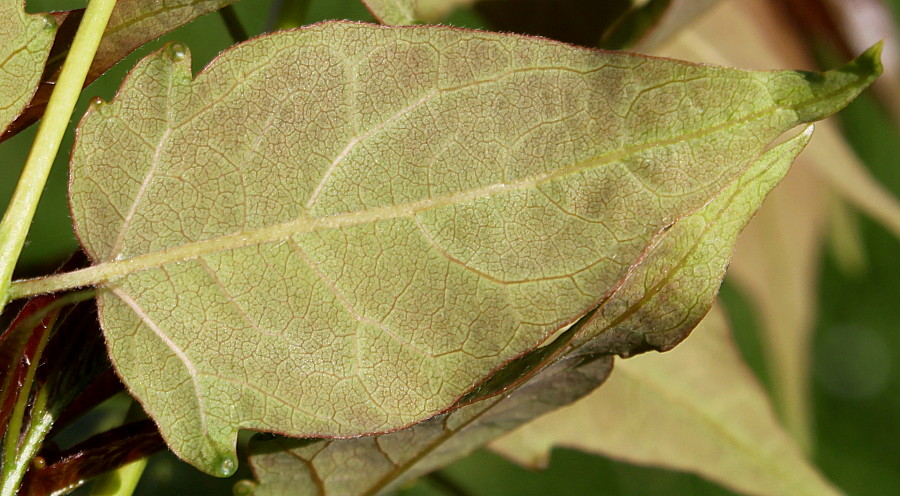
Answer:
(682, 272)
(383, 463)
(25, 42)
(343, 229)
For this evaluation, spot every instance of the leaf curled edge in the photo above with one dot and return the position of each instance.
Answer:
(681, 415)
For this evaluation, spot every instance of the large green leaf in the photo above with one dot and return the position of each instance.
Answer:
(343, 229)
(382, 462)
(25, 42)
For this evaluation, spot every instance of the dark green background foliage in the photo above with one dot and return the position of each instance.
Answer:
(856, 346)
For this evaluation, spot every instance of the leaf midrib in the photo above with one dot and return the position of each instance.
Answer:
(110, 270)
(106, 271)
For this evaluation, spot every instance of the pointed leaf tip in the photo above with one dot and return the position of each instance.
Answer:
(869, 62)
(831, 91)
(866, 67)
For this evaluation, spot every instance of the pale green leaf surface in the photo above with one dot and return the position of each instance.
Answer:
(678, 15)
(687, 261)
(676, 411)
(343, 229)
(378, 464)
(674, 285)
(407, 12)
(393, 12)
(25, 42)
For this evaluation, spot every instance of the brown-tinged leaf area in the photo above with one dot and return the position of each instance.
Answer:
(677, 296)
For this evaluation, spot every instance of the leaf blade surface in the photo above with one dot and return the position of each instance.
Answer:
(343, 229)
(386, 462)
(383, 462)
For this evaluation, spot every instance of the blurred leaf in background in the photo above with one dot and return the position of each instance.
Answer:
(696, 408)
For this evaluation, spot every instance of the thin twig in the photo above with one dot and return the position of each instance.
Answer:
(447, 484)
(233, 24)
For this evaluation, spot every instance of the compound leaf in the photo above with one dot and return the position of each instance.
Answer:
(344, 229)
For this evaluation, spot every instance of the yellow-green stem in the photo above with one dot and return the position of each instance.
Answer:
(124, 480)
(19, 214)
